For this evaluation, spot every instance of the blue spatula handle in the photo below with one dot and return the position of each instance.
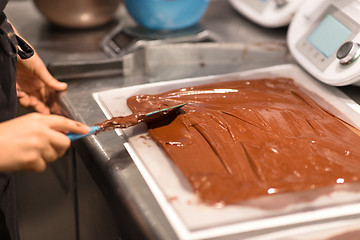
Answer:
(75, 136)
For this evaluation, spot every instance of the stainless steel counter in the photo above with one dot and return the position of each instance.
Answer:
(136, 212)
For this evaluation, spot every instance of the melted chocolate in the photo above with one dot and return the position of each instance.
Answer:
(120, 122)
(243, 139)
(140, 116)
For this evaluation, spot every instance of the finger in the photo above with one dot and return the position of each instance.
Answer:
(37, 166)
(42, 72)
(49, 153)
(32, 102)
(20, 93)
(54, 146)
(50, 81)
(64, 124)
(41, 108)
(60, 143)
(27, 101)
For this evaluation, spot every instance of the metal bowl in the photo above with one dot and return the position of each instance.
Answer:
(166, 14)
(78, 13)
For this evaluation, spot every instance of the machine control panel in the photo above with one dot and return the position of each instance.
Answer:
(323, 37)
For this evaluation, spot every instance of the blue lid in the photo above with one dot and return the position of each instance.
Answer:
(166, 14)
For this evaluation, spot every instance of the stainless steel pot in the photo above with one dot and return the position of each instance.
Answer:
(78, 13)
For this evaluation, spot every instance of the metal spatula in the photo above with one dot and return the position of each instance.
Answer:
(126, 121)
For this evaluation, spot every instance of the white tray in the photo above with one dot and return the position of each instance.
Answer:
(192, 219)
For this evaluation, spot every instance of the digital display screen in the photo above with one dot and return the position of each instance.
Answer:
(328, 36)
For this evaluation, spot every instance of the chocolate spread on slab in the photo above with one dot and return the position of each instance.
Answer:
(140, 116)
(244, 139)
(120, 122)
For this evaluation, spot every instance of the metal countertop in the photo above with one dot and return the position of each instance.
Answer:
(104, 154)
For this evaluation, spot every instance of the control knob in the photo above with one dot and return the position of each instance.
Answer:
(348, 53)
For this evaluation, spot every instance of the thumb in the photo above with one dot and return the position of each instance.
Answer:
(50, 81)
(42, 72)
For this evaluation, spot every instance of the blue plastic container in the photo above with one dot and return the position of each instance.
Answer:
(166, 14)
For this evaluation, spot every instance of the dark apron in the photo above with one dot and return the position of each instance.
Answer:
(10, 46)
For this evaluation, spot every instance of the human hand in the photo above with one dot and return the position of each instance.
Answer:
(31, 141)
(36, 87)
